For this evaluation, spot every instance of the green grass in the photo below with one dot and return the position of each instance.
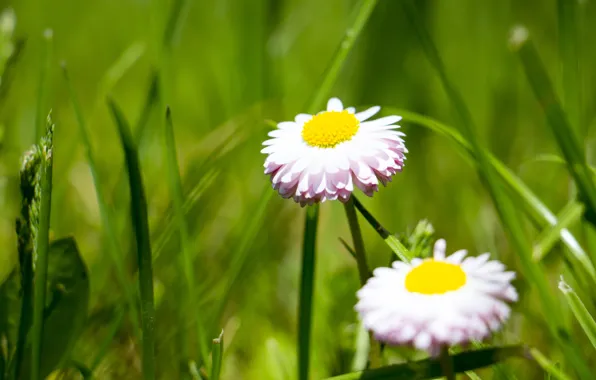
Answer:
(501, 150)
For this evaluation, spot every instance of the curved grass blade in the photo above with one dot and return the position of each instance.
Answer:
(431, 368)
(571, 214)
(141, 227)
(186, 262)
(116, 253)
(579, 310)
(507, 212)
(307, 290)
(42, 242)
(535, 209)
(565, 135)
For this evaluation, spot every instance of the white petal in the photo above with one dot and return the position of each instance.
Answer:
(367, 114)
(334, 104)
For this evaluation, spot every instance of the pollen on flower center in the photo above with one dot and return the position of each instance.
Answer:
(330, 128)
(435, 277)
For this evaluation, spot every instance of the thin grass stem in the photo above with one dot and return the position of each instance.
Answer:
(217, 354)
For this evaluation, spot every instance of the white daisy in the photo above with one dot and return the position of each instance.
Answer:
(437, 302)
(320, 157)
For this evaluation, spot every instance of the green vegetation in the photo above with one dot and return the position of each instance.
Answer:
(147, 235)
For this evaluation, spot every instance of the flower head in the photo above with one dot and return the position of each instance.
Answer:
(324, 156)
(437, 302)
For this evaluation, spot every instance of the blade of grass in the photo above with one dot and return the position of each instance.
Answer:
(141, 227)
(548, 366)
(533, 207)
(571, 214)
(116, 253)
(579, 310)
(393, 242)
(217, 354)
(505, 209)
(567, 23)
(42, 242)
(431, 368)
(46, 59)
(186, 262)
(565, 135)
(307, 290)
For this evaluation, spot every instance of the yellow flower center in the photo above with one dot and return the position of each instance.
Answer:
(330, 128)
(435, 277)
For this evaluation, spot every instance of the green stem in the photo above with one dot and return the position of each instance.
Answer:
(306, 290)
(217, 352)
(363, 272)
(42, 243)
(43, 82)
(447, 364)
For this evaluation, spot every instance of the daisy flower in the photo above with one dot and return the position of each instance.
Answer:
(325, 156)
(437, 302)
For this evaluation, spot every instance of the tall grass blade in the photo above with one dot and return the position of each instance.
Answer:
(565, 135)
(115, 250)
(431, 368)
(505, 209)
(46, 60)
(141, 227)
(307, 290)
(570, 215)
(551, 369)
(569, 62)
(217, 354)
(534, 208)
(186, 262)
(580, 311)
(42, 242)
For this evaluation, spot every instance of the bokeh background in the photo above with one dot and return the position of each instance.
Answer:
(233, 66)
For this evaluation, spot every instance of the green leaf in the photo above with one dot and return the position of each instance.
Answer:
(431, 368)
(66, 307)
(580, 311)
(551, 369)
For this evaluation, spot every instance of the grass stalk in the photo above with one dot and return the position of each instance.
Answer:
(115, 251)
(363, 272)
(42, 243)
(186, 259)
(568, 25)
(46, 60)
(217, 355)
(141, 227)
(307, 290)
(549, 367)
(571, 214)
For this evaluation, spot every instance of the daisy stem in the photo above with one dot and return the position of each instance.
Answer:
(447, 364)
(306, 290)
(363, 272)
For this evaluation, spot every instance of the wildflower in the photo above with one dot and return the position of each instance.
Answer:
(325, 156)
(437, 302)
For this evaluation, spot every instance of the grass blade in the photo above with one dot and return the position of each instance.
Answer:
(507, 212)
(431, 368)
(568, 25)
(396, 246)
(42, 242)
(307, 290)
(565, 135)
(532, 205)
(570, 215)
(116, 252)
(109, 339)
(186, 262)
(141, 227)
(579, 310)
(548, 366)
(217, 353)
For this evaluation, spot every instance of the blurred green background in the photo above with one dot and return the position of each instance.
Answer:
(234, 65)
